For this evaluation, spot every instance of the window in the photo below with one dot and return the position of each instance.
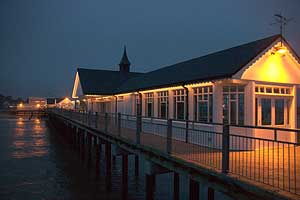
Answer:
(266, 111)
(233, 104)
(273, 111)
(273, 103)
(279, 111)
(163, 103)
(149, 104)
(262, 89)
(203, 101)
(137, 104)
(179, 104)
(288, 103)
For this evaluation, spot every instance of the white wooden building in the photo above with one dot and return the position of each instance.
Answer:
(253, 84)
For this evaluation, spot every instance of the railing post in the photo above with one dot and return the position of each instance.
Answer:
(169, 136)
(138, 128)
(225, 149)
(119, 124)
(96, 120)
(187, 131)
(86, 117)
(105, 122)
(89, 118)
(275, 134)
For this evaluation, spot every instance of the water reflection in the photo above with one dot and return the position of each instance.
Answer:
(51, 169)
(28, 140)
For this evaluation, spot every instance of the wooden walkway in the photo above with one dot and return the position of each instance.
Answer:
(268, 163)
(271, 163)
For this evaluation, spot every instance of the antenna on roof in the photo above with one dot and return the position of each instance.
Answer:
(281, 21)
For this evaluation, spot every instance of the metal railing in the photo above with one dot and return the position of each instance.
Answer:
(261, 154)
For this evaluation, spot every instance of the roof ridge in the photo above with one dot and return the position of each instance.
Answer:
(106, 70)
(276, 36)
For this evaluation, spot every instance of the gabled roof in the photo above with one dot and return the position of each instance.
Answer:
(219, 65)
(222, 64)
(102, 82)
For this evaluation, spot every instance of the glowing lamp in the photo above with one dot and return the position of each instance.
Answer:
(38, 105)
(20, 105)
(281, 50)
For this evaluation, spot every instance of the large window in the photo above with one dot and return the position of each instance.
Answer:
(179, 104)
(272, 105)
(149, 104)
(203, 104)
(233, 104)
(163, 102)
(272, 111)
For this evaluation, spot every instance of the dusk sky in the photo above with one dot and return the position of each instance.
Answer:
(42, 42)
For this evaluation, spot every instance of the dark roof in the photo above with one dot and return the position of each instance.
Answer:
(52, 100)
(124, 59)
(222, 64)
(104, 82)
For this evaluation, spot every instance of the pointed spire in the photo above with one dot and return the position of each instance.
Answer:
(124, 63)
(124, 60)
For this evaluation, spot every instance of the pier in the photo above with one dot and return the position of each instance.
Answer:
(252, 168)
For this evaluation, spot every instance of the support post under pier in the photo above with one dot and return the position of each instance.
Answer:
(108, 165)
(194, 190)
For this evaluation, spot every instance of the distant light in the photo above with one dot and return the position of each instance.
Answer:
(38, 105)
(20, 105)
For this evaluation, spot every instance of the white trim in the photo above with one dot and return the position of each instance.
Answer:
(76, 86)
(240, 73)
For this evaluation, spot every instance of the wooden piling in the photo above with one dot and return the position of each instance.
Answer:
(194, 190)
(176, 186)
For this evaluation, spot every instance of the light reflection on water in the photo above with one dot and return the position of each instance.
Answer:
(28, 140)
(37, 163)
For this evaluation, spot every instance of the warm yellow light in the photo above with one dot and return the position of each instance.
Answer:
(38, 105)
(281, 50)
(20, 105)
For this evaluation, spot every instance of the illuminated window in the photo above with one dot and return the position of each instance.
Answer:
(272, 111)
(179, 104)
(279, 111)
(262, 89)
(233, 104)
(149, 104)
(163, 103)
(203, 104)
(266, 111)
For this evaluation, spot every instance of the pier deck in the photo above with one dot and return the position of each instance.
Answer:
(267, 164)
